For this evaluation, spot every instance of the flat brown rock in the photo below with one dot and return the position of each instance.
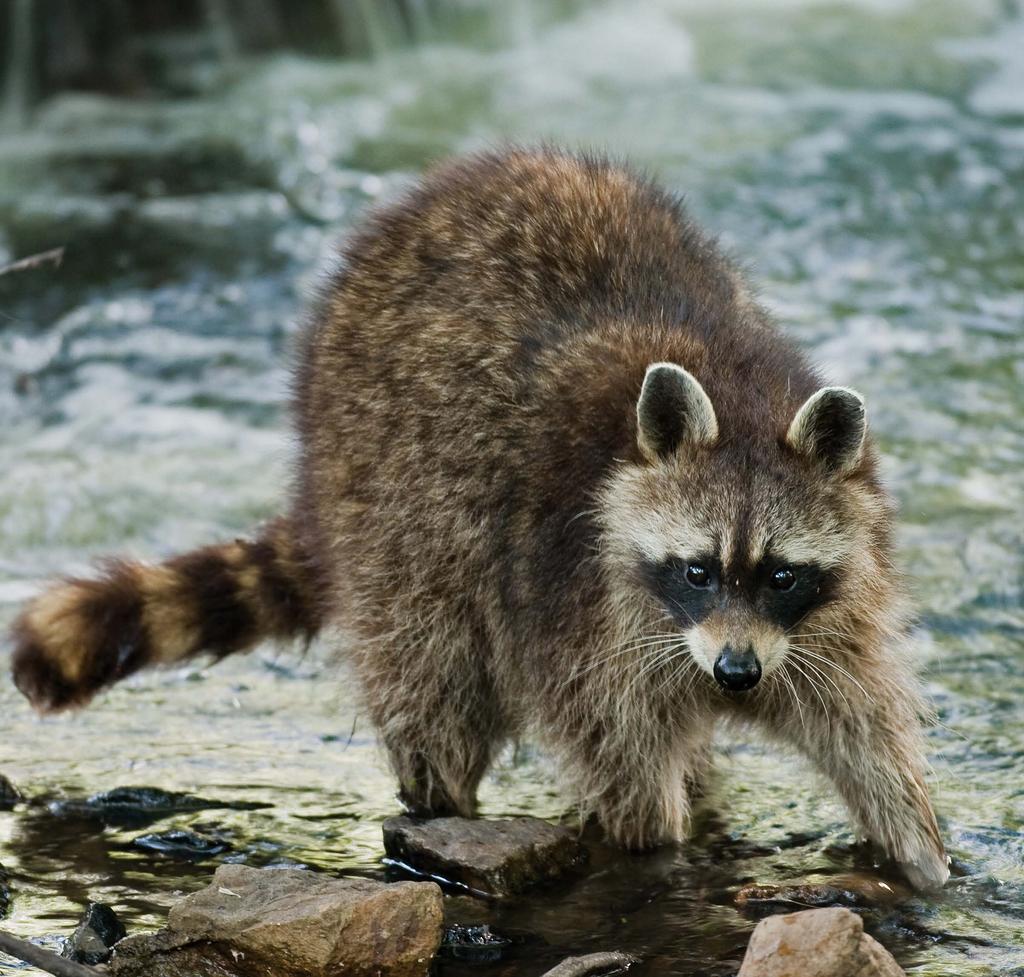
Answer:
(291, 923)
(495, 857)
(816, 943)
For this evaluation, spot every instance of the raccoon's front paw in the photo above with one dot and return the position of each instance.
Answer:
(929, 872)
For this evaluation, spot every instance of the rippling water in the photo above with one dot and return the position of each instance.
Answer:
(866, 159)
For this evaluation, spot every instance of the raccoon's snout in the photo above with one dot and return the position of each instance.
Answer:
(737, 671)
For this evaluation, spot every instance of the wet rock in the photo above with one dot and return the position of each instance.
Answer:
(9, 794)
(96, 935)
(291, 923)
(185, 845)
(816, 943)
(490, 857)
(476, 944)
(136, 807)
(839, 890)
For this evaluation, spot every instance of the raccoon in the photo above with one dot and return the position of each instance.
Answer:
(559, 476)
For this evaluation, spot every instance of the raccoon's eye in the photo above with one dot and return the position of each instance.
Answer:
(697, 576)
(783, 579)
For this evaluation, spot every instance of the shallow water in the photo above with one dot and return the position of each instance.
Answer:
(866, 159)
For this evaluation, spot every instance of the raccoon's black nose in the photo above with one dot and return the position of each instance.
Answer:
(737, 671)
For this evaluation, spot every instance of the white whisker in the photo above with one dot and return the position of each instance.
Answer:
(814, 688)
(826, 678)
(839, 668)
(784, 672)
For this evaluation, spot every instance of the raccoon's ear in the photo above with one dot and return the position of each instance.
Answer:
(830, 428)
(673, 409)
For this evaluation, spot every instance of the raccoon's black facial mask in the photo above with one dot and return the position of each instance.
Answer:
(691, 589)
(788, 593)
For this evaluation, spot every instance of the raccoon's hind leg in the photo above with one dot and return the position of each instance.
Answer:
(440, 751)
(439, 718)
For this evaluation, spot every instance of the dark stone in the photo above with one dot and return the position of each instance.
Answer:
(476, 944)
(9, 794)
(5, 892)
(287, 923)
(185, 845)
(490, 857)
(95, 936)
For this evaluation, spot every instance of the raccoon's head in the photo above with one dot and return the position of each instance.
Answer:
(747, 535)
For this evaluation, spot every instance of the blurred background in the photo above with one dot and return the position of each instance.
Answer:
(197, 164)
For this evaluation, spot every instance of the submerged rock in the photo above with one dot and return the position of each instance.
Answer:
(840, 890)
(489, 857)
(181, 844)
(816, 943)
(291, 923)
(96, 935)
(136, 807)
(9, 794)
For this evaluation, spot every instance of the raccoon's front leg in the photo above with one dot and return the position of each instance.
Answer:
(880, 774)
(872, 750)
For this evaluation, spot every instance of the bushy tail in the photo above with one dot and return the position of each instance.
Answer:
(82, 635)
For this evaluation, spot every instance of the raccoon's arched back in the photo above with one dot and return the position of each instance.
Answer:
(504, 260)
(566, 240)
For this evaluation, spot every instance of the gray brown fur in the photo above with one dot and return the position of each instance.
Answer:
(477, 509)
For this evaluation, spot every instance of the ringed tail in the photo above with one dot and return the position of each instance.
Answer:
(81, 635)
